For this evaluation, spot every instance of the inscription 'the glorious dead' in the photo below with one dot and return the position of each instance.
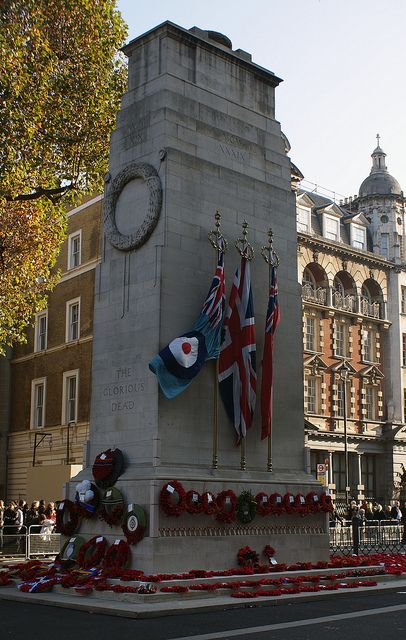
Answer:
(123, 390)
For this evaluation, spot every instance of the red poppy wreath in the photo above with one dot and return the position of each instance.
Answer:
(92, 552)
(173, 498)
(67, 518)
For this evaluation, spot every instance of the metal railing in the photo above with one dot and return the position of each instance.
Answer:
(20, 542)
(371, 309)
(314, 294)
(374, 536)
(345, 302)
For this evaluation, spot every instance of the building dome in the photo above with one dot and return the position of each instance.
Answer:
(379, 181)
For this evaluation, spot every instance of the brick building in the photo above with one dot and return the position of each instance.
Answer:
(50, 375)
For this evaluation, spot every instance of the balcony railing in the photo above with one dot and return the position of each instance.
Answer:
(314, 294)
(371, 309)
(345, 302)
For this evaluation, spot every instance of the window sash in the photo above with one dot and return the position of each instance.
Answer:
(74, 321)
(39, 405)
(359, 237)
(370, 403)
(74, 254)
(403, 299)
(331, 228)
(310, 337)
(341, 340)
(311, 395)
(71, 391)
(404, 349)
(41, 332)
(302, 219)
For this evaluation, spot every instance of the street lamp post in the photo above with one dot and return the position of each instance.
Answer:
(344, 370)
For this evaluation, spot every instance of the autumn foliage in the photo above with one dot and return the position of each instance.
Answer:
(61, 80)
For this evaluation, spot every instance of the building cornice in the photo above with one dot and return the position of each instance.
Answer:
(342, 250)
(46, 352)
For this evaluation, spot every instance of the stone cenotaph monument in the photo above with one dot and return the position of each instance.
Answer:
(196, 133)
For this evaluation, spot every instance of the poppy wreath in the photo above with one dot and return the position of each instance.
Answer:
(169, 491)
(87, 499)
(92, 552)
(268, 552)
(209, 503)
(112, 506)
(289, 503)
(134, 524)
(326, 503)
(117, 555)
(70, 551)
(66, 527)
(301, 505)
(108, 467)
(246, 507)
(263, 503)
(247, 557)
(226, 503)
(277, 505)
(313, 502)
(193, 502)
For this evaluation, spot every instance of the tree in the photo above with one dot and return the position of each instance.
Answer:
(61, 80)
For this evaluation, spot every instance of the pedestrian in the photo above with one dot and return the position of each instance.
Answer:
(50, 512)
(396, 513)
(42, 507)
(32, 515)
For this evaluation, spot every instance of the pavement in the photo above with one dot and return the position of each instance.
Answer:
(157, 605)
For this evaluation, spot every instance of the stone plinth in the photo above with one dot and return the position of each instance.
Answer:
(203, 117)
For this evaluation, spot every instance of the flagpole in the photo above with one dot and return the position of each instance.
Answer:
(219, 243)
(272, 260)
(246, 251)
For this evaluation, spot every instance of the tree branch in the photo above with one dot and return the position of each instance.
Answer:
(52, 194)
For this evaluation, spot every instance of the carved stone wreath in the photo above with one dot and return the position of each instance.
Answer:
(134, 240)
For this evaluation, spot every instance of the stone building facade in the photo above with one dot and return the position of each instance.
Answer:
(50, 375)
(352, 271)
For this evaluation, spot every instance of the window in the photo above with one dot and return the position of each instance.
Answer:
(310, 333)
(368, 475)
(38, 393)
(370, 403)
(331, 228)
(74, 249)
(385, 245)
(70, 396)
(403, 299)
(341, 340)
(303, 219)
(313, 394)
(368, 344)
(340, 399)
(73, 320)
(403, 349)
(41, 331)
(358, 237)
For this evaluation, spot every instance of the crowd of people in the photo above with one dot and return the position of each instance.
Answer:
(371, 512)
(17, 518)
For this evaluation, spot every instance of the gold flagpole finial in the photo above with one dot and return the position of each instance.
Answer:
(268, 253)
(244, 248)
(216, 238)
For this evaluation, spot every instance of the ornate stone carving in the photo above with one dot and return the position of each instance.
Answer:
(134, 240)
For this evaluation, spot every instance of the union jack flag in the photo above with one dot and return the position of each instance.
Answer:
(214, 304)
(272, 321)
(237, 365)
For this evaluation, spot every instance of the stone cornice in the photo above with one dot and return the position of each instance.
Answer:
(179, 33)
(343, 250)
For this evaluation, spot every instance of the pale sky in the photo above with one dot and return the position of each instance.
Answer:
(343, 65)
